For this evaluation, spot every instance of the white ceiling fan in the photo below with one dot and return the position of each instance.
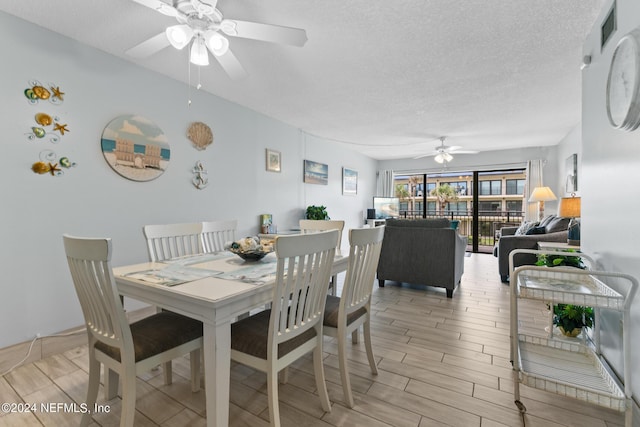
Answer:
(200, 21)
(443, 153)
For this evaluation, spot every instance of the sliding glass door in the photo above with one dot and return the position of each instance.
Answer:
(481, 202)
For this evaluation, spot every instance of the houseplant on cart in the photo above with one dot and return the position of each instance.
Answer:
(570, 319)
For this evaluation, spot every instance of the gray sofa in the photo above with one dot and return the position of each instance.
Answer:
(422, 251)
(550, 229)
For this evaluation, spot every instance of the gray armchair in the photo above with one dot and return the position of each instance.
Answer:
(552, 229)
(422, 251)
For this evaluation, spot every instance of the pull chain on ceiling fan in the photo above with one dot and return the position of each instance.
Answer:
(201, 24)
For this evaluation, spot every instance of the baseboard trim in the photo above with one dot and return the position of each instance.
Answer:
(57, 343)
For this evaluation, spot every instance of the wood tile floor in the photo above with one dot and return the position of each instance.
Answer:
(441, 362)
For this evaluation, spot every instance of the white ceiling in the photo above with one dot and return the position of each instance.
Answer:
(385, 77)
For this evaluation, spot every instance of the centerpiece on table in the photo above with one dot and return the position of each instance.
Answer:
(251, 248)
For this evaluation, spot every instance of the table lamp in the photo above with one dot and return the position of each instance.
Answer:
(570, 208)
(541, 195)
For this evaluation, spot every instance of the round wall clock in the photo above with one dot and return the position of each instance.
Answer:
(623, 84)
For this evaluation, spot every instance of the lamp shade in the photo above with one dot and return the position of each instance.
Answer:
(542, 194)
(569, 207)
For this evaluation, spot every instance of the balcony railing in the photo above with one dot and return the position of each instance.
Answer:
(489, 223)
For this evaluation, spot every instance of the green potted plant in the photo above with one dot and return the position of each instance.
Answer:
(317, 212)
(560, 260)
(570, 319)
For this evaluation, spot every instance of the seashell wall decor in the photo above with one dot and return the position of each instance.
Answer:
(200, 135)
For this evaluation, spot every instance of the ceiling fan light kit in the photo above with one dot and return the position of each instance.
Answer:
(217, 44)
(199, 55)
(443, 157)
(179, 35)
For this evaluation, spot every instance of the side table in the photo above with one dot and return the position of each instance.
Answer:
(557, 246)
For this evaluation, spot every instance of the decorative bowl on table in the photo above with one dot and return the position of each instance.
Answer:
(250, 249)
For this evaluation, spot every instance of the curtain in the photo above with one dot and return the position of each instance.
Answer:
(385, 184)
(534, 179)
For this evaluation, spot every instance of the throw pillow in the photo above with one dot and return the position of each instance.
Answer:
(524, 227)
(558, 224)
(536, 230)
(546, 220)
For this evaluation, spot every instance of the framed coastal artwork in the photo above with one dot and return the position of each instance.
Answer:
(349, 182)
(135, 148)
(274, 160)
(316, 173)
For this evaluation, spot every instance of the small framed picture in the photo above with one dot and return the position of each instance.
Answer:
(349, 182)
(274, 160)
(315, 173)
(571, 170)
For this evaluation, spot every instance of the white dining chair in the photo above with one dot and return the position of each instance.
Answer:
(216, 234)
(344, 315)
(167, 241)
(314, 226)
(124, 349)
(273, 339)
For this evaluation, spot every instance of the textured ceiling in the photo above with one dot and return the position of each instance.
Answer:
(385, 77)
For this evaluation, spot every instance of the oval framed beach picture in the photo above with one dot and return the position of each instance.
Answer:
(135, 147)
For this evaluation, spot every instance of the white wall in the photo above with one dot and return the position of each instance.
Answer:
(92, 200)
(610, 175)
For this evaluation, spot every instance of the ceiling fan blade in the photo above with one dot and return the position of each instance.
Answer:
(231, 65)
(264, 32)
(160, 6)
(464, 152)
(426, 155)
(149, 47)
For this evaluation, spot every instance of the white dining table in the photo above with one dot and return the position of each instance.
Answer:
(216, 299)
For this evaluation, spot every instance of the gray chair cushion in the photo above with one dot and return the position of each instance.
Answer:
(250, 336)
(156, 334)
(331, 312)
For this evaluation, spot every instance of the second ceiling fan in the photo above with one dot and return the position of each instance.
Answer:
(443, 153)
(203, 25)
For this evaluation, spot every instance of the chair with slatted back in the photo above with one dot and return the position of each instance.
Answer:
(345, 314)
(272, 339)
(125, 349)
(215, 234)
(167, 241)
(313, 226)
